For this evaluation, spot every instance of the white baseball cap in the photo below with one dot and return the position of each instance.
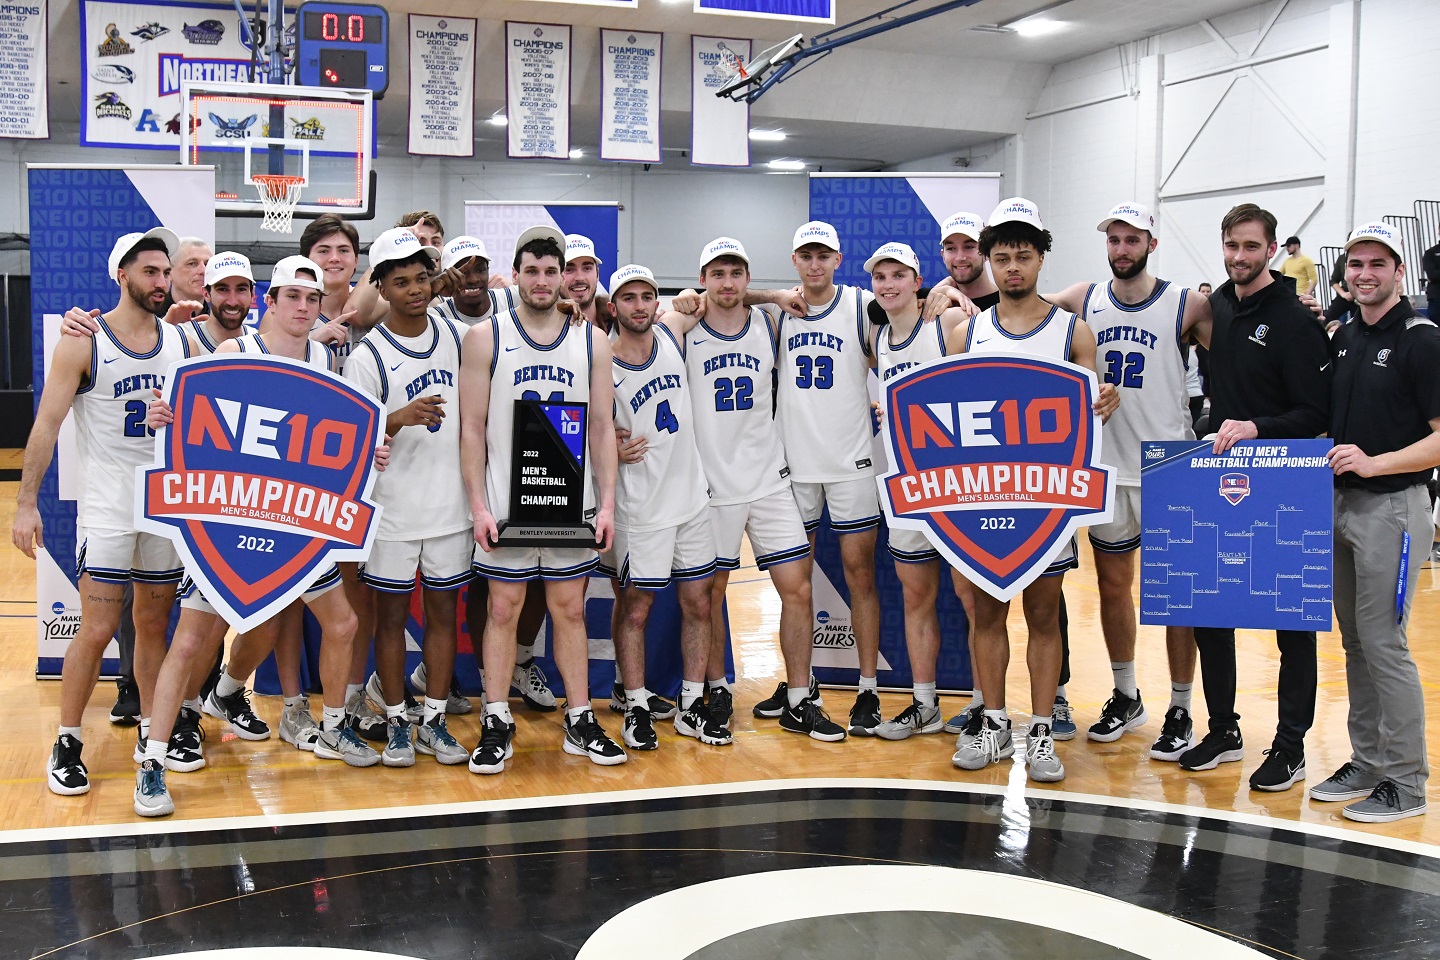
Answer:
(969, 224)
(1136, 214)
(460, 249)
(577, 246)
(1378, 232)
(541, 232)
(722, 247)
(284, 274)
(226, 263)
(127, 242)
(817, 231)
(1017, 210)
(899, 252)
(632, 272)
(398, 243)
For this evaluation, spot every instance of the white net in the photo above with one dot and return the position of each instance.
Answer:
(278, 195)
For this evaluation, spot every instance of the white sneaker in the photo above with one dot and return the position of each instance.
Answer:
(374, 693)
(1041, 763)
(916, 718)
(991, 743)
(456, 704)
(345, 744)
(530, 684)
(152, 798)
(297, 726)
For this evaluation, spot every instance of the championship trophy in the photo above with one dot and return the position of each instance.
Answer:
(547, 477)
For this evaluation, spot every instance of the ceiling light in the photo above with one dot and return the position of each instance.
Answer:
(1039, 27)
(498, 120)
(786, 164)
(576, 153)
(768, 135)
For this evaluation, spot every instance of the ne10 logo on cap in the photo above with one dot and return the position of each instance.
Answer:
(997, 461)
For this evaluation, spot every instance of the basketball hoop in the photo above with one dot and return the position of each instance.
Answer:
(279, 192)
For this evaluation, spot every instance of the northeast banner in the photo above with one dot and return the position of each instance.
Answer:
(537, 90)
(630, 96)
(719, 126)
(814, 11)
(869, 209)
(442, 86)
(499, 225)
(24, 71)
(76, 214)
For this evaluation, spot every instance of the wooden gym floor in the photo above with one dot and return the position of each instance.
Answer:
(273, 778)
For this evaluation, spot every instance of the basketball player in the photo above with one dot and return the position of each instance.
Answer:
(1015, 244)
(368, 306)
(1141, 325)
(528, 353)
(662, 520)
(582, 278)
(106, 380)
(410, 361)
(333, 244)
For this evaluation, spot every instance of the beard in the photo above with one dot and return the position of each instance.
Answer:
(222, 317)
(1136, 268)
(1243, 276)
(1017, 294)
(637, 324)
(537, 301)
(145, 298)
(965, 273)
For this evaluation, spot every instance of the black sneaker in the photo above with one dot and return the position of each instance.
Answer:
(721, 706)
(495, 746)
(126, 712)
(639, 730)
(660, 708)
(586, 738)
(1121, 713)
(777, 703)
(66, 773)
(235, 710)
(1176, 736)
(1219, 746)
(865, 715)
(1281, 769)
(184, 754)
(810, 719)
(696, 722)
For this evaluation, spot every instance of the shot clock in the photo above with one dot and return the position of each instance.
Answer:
(343, 45)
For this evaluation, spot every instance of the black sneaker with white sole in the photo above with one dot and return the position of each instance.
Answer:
(865, 714)
(1121, 713)
(126, 712)
(185, 753)
(695, 722)
(639, 730)
(1281, 769)
(810, 719)
(495, 746)
(1218, 746)
(584, 737)
(65, 772)
(1176, 736)
(721, 705)
(660, 708)
(235, 710)
(1347, 783)
(779, 701)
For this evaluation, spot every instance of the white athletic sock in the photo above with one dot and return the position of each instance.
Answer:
(977, 698)
(155, 750)
(145, 728)
(331, 718)
(869, 683)
(194, 704)
(690, 691)
(1180, 695)
(393, 710)
(227, 685)
(1038, 722)
(71, 731)
(500, 709)
(294, 701)
(433, 708)
(352, 690)
(575, 713)
(999, 716)
(1125, 678)
(637, 698)
(721, 684)
(796, 696)
(618, 678)
(1060, 692)
(925, 693)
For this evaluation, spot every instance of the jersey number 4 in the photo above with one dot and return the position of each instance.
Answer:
(664, 419)
(817, 372)
(737, 394)
(1124, 369)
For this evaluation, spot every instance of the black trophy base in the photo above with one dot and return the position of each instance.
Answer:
(545, 535)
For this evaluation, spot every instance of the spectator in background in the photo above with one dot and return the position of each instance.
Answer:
(1430, 263)
(1299, 268)
(1342, 301)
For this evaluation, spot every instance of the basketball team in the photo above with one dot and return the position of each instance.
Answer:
(735, 413)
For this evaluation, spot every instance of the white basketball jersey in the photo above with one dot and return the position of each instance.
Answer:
(316, 354)
(926, 342)
(522, 369)
(1050, 339)
(422, 489)
(1138, 349)
(196, 329)
(445, 307)
(652, 400)
(733, 388)
(825, 418)
(110, 430)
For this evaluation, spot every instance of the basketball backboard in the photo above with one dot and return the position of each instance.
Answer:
(321, 134)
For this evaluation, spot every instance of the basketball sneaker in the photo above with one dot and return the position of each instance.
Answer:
(586, 738)
(185, 753)
(530, 684)
(639, 730)
(152, 799)
(235, 710)
(297, 726)
(1177, 735)
(1281, 769)
(1062, 720)
(65, 772)
(778, 702)
(126, 712)
(1041, 763)
(957, 723)
(1121, 713)
(1217, 747)
(983, 742)
(435, 739)
(916, 718)
(374, 693)
(721, 706)
(495, 746)
(399, 747)
(456, 703)
(696, 722)
(865, 714)
(660, 708)
(345, 744)
(362, 718)
(811, 719)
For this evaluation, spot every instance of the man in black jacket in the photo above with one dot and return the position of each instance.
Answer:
(1269, 379)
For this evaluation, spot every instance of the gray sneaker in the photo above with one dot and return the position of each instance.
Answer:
(414, 712)
(152, 799)
(990, 743)
(530, 684)
(345, 744)
(456, 703)
(297, 726)
(957, 723)
(1040, 760)
(916, 718)
(434, 738)
(399, 748)
(362, 718)
(1386, 803)
(1347, 783)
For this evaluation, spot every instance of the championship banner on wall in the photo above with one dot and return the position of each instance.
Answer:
(76, 214)
(537, 90)
(869, 209)
(499, 225)
(24, 71)
(134, 57)
(630, 96)
(442, 86)
(1242, 539)
(815, 11)
(719, 126)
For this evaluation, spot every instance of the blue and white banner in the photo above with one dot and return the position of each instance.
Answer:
(816, 11)
(76, 214)
(442, 86)
(499, 225)
(537, 90)
(630, 96)
(719, 126)
(24, 71)
(617, 4)
(869, 209)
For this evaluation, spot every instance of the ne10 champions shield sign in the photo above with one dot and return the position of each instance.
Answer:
(263, 480)
(996, 459)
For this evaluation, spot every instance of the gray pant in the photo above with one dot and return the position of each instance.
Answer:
(1387, 704)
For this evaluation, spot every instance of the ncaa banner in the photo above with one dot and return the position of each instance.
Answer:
(869, 209)
(260, 499)
(442, 86)
(499, 225)
(719, 126)
(537, 90)
(996, 459)
(76, 214)
(630, 96)
(134, 58)
(24, 71)
(814, 11)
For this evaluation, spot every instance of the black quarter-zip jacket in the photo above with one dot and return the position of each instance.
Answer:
(1269, 363)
